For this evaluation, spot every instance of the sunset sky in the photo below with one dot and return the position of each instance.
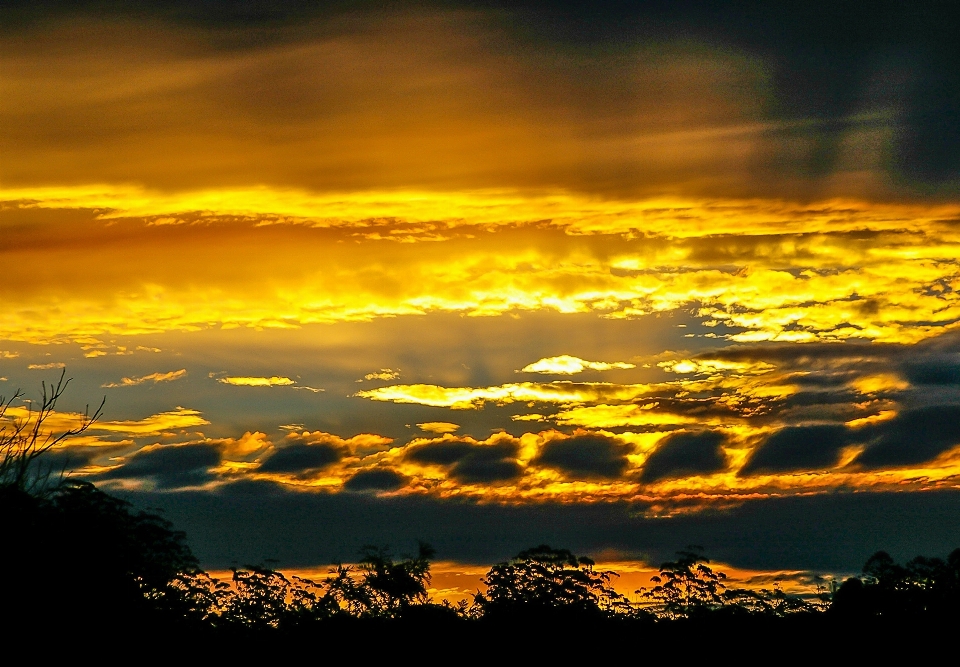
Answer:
(620, 278)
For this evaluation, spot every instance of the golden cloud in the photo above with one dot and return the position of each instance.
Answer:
(567, 365)
(152, 377)
(384, 374)
(172, 420)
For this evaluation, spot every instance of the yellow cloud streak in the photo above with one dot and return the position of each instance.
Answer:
(468, 398)
(171, 420)
(273, 381)
(680, 218)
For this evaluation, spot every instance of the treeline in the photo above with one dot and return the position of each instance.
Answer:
(77, 557)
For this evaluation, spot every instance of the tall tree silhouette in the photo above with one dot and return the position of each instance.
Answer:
(687, 586)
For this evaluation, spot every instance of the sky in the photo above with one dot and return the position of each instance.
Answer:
(619, 277)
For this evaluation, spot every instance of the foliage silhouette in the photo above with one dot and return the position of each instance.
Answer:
(544, 582)
(923, 587)
(262, 599)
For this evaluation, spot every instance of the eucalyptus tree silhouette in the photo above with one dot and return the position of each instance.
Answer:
(545, 583)
(687, 586)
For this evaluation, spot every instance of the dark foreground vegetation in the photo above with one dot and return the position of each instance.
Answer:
(77, 563)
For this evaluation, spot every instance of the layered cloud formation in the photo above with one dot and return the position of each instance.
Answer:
(640, 275)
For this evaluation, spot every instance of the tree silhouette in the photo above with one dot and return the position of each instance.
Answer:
(263, 599)
(380, 587)
(687, 586)
(84, 557)
(547, 582)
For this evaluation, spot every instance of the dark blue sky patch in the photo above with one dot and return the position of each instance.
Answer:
(247, 521)
(936, 372)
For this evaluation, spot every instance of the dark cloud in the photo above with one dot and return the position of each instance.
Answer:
(685, 454)
(471, 462)
(805, 355)
(799, 448)
(933, 371)
(443, 453)
(301, 458)
(913, 436)
(380, 479)
(71, 458)
(170, 466)
(248, 521)
(586, 456)
(808, 398)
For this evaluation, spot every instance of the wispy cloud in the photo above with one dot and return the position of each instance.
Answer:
(153, 377)
(45, 367)
(383, 374)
